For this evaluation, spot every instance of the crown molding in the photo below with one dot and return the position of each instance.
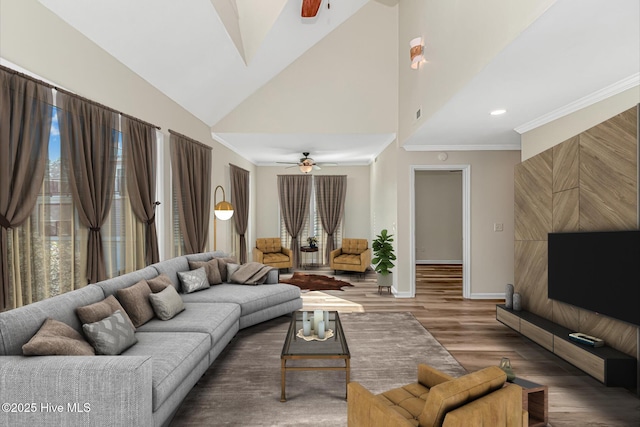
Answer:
(468, 147)
(595, 97)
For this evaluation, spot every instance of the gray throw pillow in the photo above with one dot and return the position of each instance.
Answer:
(231, 269)
(111, 335)
(166, 303)
(57, 338)
(193, 280)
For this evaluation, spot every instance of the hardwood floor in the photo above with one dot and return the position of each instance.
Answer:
(469, 330)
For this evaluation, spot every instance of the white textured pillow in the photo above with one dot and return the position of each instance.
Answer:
(193, 280)
(166, 303)
(231, 269)
(111, 335)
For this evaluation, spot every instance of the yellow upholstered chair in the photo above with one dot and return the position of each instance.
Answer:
(269, 251)
(436, 399)
(354, 255)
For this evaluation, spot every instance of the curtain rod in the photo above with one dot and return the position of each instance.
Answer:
(66, 92)
(173, 132)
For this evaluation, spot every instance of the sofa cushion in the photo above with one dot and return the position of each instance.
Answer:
(450, 395)
(213, 319)
(99, 310)
(211, 268)
(174, 356)
(135, 300)
(166, 303)
(17, 326)
(57, 338)
(408, 400)
(275, 258)
(354, 246)
(111, 335)
(193, 280)
(347, 259)
(159, 283)
(250, 298)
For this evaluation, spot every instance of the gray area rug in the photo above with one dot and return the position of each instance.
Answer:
(242, 387)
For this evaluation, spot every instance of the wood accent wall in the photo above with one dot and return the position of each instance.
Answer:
(587, 183)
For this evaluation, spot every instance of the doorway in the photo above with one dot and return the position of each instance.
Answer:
(451, 243)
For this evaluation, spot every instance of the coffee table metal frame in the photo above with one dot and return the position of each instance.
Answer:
(295, 348)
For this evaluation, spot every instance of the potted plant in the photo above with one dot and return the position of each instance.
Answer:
(313, 241)
(382, 258)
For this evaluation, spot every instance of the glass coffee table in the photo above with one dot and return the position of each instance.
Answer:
(297, 348)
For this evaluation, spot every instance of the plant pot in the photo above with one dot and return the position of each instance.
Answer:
(385, 279)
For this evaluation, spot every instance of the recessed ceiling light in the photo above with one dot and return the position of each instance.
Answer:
(498, 112)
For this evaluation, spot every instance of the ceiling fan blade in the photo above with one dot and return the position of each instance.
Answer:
(316, 167)
(310, 8)
(328, 164)
(287, 163)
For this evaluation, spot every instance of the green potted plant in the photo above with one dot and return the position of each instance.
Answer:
(382, 258)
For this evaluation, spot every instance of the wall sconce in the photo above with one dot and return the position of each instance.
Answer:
(416, 52)
(222, 211)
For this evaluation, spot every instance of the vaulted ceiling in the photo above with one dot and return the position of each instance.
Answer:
(226, 61)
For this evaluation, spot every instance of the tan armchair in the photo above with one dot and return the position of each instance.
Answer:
(354, 255)
(476, 399)
(269, 251)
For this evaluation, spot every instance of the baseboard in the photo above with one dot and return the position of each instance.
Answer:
(439, 261)
(497, 295)
(397, 294)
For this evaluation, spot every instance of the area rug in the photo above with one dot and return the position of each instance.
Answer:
(315, 282)
(242, 387)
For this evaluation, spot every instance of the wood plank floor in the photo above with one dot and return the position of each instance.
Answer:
(469, 330)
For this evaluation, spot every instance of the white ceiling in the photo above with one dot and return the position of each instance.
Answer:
(199, 54)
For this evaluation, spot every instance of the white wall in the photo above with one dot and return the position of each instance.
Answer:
(438, 216)
(492, 201)
(460, 37)
(37, 40)
(346, 83)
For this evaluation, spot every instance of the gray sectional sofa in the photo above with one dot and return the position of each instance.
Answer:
(145, 385)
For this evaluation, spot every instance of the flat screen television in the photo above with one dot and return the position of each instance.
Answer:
(598, 271)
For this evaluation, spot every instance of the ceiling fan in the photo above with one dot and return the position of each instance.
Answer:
(307, 164)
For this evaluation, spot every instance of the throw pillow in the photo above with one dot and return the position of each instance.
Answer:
(97, 311)
(222, 266)
(135, 300)
(111, 335)
(57, 338)
(194, 280)
(211, 267)
(166, 303)
(159, 283)
(231, 269)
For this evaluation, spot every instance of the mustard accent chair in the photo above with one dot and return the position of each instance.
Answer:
(354, 255)
(473, 400)
(269, 251)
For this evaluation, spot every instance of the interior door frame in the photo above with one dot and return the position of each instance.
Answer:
(466, 222)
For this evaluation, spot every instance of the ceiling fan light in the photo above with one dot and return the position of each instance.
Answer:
(306, 168)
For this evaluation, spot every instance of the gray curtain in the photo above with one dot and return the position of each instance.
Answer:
(139, 146)
(294, 192)
(191, 173)
(89, 139)
(25, 124)
(331, 192)
(240, 201)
